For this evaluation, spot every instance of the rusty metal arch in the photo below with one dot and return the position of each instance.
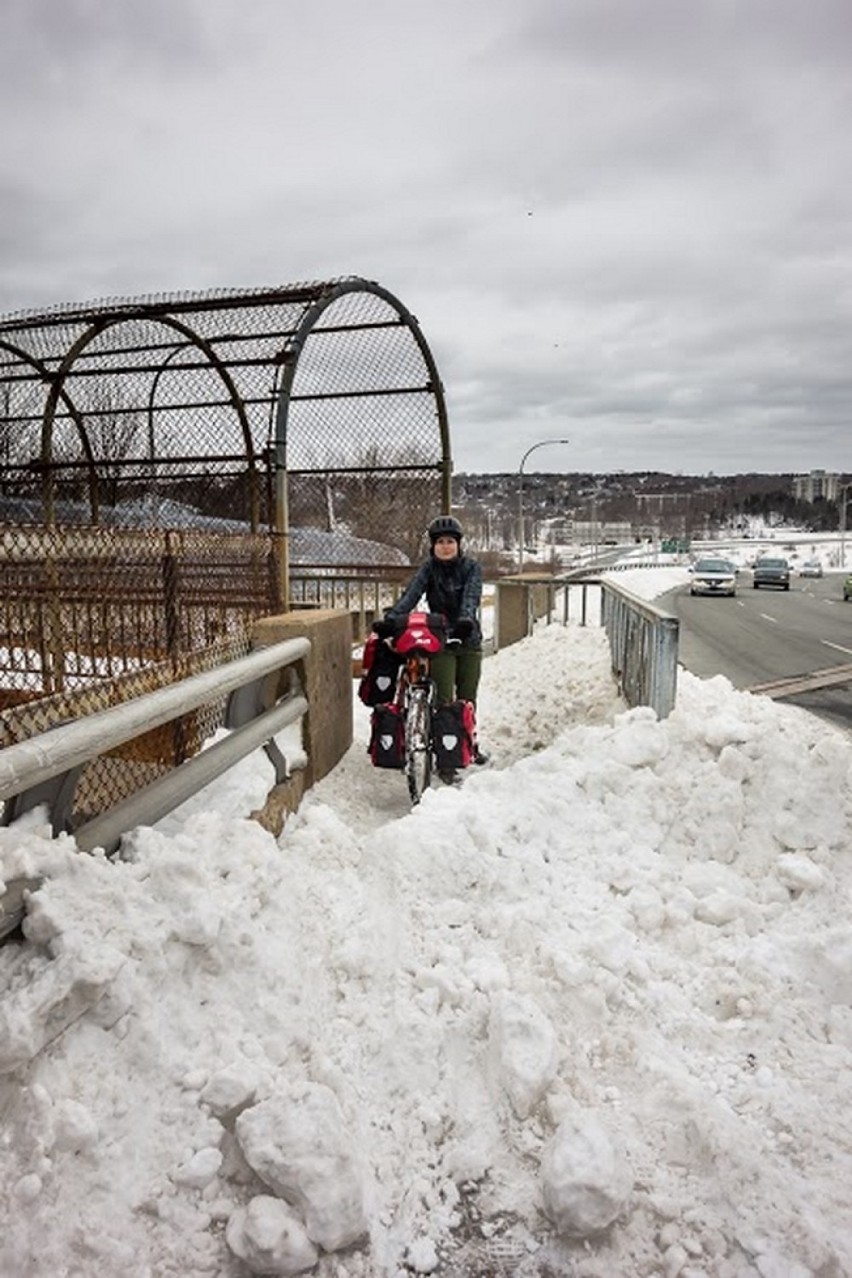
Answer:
(336, 362)
(78, 347)
(290, 356)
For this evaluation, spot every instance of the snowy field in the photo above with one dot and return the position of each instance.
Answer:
(588, 1014)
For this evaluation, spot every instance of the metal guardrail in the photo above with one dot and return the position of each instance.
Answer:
(643, 646)
(43, 769)
(643, 640)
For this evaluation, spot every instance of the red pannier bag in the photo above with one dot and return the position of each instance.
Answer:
(424, 630)
(387, 737)
(454, 735)
(380, 665)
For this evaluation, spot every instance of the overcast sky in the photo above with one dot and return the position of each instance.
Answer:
(625, 222)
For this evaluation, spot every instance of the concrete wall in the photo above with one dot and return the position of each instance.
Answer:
(326, 679)
(520, 601)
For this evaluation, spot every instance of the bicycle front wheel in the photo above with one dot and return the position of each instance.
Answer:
(418, 743)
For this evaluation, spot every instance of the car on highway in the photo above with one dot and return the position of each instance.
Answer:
(713, 577)
(772, 572)
(811, 568)
(847, 589)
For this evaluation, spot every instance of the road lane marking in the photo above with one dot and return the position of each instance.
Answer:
(838, 646)
(766, 617)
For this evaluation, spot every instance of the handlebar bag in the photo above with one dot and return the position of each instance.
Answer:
(426, 631)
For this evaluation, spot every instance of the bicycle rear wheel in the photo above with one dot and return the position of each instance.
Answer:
(418, 743)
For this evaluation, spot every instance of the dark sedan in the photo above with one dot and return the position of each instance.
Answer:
(772, 572)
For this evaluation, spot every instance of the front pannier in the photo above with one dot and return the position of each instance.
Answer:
(380, 665)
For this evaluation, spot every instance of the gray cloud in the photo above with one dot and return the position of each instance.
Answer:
(630, 224)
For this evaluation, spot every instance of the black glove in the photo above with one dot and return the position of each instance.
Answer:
(463, 628)
(384, 627)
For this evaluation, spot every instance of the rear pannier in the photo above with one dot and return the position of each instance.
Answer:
(454, 735)
(387, 737)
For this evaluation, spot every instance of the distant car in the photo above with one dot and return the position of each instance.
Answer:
(812, 568)
(713, 577)
(847, 589)
(772, 572)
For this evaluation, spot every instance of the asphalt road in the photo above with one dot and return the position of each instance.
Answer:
(766, 634)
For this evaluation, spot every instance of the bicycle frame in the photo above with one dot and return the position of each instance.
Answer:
(416, 699)
(416, 696)
(416, 671)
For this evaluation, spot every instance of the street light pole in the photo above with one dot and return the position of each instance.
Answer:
(844, 488)
(541, 444)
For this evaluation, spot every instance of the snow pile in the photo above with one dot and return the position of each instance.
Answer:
(588, 1014)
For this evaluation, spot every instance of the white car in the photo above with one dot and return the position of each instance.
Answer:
(813, 568)
(713, 577)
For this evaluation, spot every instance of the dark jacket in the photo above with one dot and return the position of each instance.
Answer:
(453, 587)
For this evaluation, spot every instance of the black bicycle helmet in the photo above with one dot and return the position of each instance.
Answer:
(445, 526)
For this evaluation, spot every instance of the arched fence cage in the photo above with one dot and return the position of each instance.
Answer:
(173, 467)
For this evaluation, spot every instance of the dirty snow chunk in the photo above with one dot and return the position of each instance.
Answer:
(198, 1171)
(421, 1256)
(270, 1238)
(524, 1050)
(299, 1145)
(28, 1188)
(585, 1179)
(718, 908)
(799, 873)
(48, 1004)
(640, 741)
(230, 1090)
(724, 729)
(75, 1129)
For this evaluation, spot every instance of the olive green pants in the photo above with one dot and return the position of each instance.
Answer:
(456, 673)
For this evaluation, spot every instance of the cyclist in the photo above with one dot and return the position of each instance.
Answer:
(452, 584)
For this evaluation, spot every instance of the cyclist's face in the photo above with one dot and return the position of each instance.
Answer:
(446, 547)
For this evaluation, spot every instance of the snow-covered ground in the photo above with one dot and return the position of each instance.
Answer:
(588, 1014)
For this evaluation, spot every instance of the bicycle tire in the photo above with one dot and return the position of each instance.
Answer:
(418, 743)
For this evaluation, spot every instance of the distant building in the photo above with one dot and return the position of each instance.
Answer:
(818, 485)
(586, 531)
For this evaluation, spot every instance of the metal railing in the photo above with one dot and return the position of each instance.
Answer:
(643, 639)
(44, 769)
(363, 593)
(643, 642)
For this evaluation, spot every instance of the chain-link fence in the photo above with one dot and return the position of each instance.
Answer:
(172, 468)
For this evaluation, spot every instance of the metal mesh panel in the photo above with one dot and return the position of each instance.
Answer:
(160, 412)
(78, 606)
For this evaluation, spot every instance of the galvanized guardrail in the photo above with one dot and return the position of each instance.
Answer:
(643, 639)
(43, 769)
(643, 643)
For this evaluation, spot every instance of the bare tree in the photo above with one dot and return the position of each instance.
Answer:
(115, 434)
(391, 506)
(18, 438)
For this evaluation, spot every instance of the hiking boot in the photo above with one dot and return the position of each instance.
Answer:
(479, 756)
(449, 776)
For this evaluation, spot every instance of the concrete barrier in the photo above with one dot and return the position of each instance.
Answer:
(520, 602)
(326, 677)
